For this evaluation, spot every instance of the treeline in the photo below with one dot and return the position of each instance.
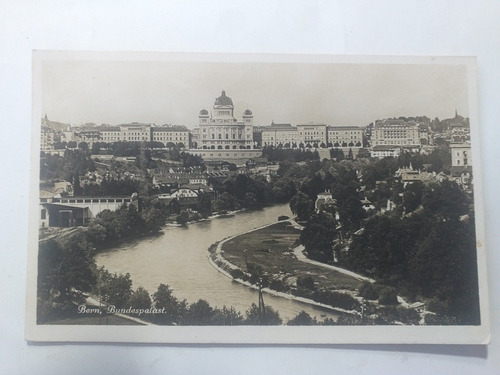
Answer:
(73, 163)
(282, 154)
(424, 247)
(116, 290)
(428, 253)
(164, 308)
(111, 187)
(109, 227)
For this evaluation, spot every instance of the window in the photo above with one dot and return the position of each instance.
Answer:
(43, 214)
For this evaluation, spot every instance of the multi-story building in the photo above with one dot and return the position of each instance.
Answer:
(222, 136)
(110, 134)
(171, 134)
(395, 133)
(88, 136)
(383, 151)
(221, 130)
(46, 138)
(461, 163)
(345, 136)
(461, 155)
(135, 132)
(280, 135)
(312, 134)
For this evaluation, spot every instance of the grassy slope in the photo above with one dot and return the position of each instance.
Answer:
(271, 247)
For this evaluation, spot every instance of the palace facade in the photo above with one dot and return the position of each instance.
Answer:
(222, 136)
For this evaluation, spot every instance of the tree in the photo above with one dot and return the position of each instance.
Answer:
(140, 299)
(302, 206)
(318, 236)
(65, 273)
(115, 289)
(367, 290)
(388, 296)
(446, 200)
(204, 205)
(412, 196)
(270, 316)
(250, 198)
(227, 317)
(306, 282)
(445, 267)
(302, 319)
(175, 310)
(313, 186)
(154, 219)
(199, 314)
(225, 202)
(84, 146)
(182, 218)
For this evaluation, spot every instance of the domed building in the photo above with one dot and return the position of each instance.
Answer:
(222, 131)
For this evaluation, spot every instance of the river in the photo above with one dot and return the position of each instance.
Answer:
(178, 258)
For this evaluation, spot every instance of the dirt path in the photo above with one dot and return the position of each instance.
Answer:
(298, 252)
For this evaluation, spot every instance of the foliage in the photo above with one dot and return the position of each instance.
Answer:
(431, 252)
(199, 314)
(204, 205)
(225, 202)
(412, 196)
(367, 290)
(114, 289)
(306, 282)
(268, 317)
(336, 299)
(227, 317)
(281, 154)
(175, 310)
(302, 319)
(140, 299)
(73, 163)
(65, 272)
(388, 296)
(182, 218)
(318, 236)
(302, 206)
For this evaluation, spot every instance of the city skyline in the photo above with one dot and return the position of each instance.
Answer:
(159, 92)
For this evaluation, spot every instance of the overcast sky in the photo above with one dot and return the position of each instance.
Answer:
(115, 92)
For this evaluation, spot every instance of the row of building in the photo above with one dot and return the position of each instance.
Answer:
(220, 135)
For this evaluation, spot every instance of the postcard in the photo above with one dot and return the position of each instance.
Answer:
(255, 199)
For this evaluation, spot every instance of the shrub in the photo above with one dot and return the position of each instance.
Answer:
(388, 296)
(306, 282)
(369, 291)
(237, 274)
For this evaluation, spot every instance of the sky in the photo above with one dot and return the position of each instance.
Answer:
(172, 92)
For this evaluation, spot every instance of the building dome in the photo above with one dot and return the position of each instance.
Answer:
(204, 112)
(247, 113)
(223, 99)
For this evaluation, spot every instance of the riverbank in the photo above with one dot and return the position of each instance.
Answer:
(269, 249)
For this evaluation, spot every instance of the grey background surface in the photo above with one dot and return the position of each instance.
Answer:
(412, 27)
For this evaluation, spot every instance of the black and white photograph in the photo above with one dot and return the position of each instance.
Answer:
(255, 199)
